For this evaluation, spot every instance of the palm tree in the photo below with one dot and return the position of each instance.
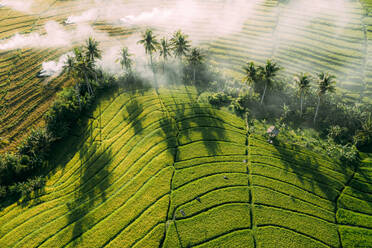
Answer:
(150, 43)
(268, 73)
(125, 60)
(195, 58)
(164, 50)
(180, 44)
(82, 68)
(325, 84)
(303, 81)
(251, 74)
(71, 69)
(69, 65)
(91, 50)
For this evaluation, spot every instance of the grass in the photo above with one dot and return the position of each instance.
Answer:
(324, 232)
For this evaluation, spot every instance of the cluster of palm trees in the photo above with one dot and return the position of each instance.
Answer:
(255, 76)
(265, 75)
(178, 46)
(325, 83)
(81, 65)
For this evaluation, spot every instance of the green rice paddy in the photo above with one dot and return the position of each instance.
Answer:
(158, 169)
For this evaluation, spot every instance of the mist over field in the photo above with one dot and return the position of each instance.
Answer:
(200, 21)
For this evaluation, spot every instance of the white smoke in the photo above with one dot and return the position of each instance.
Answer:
(55, 36)
(54, 68)
(109, 62)
(19, 5)
(195, 17)
(86, 16)
(147, 18)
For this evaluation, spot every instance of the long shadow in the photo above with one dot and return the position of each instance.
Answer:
(360, 187)
(65, 150)
(306, 166)
(183, 113)
(134, 109)
(94, 179)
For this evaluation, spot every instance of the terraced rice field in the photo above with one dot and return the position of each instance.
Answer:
(330, 35)
(305, 36)
(159, 169)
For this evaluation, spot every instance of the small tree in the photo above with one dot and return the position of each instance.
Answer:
(251, 74)
(91, 50)
(195, 58)
(326, 84)
(150, 43)
(164, 50)
(268, 73)
(303, 83)
(180, 44)
(125, 60)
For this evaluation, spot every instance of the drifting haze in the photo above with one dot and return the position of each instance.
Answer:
(55, 36)
(54, 68)
(201, 20)
(19, 5)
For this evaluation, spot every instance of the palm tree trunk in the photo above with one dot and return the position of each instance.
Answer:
(317, 109)
(301, 99)
(90, 91)
(194, 75)
(153, 72)
(77, 88)
(263, 95)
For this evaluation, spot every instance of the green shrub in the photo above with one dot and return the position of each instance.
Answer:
(35, 147)
(219, 99)
(64, 112)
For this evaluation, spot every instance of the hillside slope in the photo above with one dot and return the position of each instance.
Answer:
(161, 170)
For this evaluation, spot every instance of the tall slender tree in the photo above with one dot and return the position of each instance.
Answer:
(125, 60)
(326, 83)
(164, 50)
(302, 81)
(81, 68)
(268, 73)
(195, 59)
(150, 43)
(91, 50)
(180, 44)
(251, 74)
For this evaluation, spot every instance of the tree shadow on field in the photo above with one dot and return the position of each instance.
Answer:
(134, 109)
(62, 152)
(192, 118)
(94, 179)
(308, 168)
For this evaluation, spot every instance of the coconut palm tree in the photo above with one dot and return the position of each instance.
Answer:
(251, 74)
(164, 50)
(150, 43)
(125, 60)
(326, 84)
(180, 44)
(302, 81)
(82, 69)
(69, 66)
(91, 50)
(268, 73)
(195, 59)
